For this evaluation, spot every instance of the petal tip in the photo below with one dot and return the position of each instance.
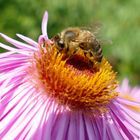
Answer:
(44, 23)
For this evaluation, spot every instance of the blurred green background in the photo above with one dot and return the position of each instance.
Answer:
(120, 21)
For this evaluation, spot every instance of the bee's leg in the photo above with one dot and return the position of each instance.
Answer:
(85, 53)
(91, 64)
(91, 61)
(72, 53)
(89, 55)
(75, 51)
(83, 46)
(94, 67)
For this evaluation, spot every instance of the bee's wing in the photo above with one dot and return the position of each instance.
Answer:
(104, 42)
(94, 28)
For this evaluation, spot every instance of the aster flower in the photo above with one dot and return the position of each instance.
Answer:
(46, 97)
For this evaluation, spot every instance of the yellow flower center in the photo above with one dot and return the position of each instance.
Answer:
(73, 82)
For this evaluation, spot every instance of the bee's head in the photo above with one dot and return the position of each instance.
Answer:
(58, 41)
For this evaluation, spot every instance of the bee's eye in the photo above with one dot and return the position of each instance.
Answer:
(70, 35)
(61, 44)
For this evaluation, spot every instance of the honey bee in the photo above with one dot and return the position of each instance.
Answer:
(70, 40)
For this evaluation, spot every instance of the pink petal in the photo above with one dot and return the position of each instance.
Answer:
(17, 43)
(5, 54)
(14, 50)
(28, 40)
(44, 24)
(44, 37)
